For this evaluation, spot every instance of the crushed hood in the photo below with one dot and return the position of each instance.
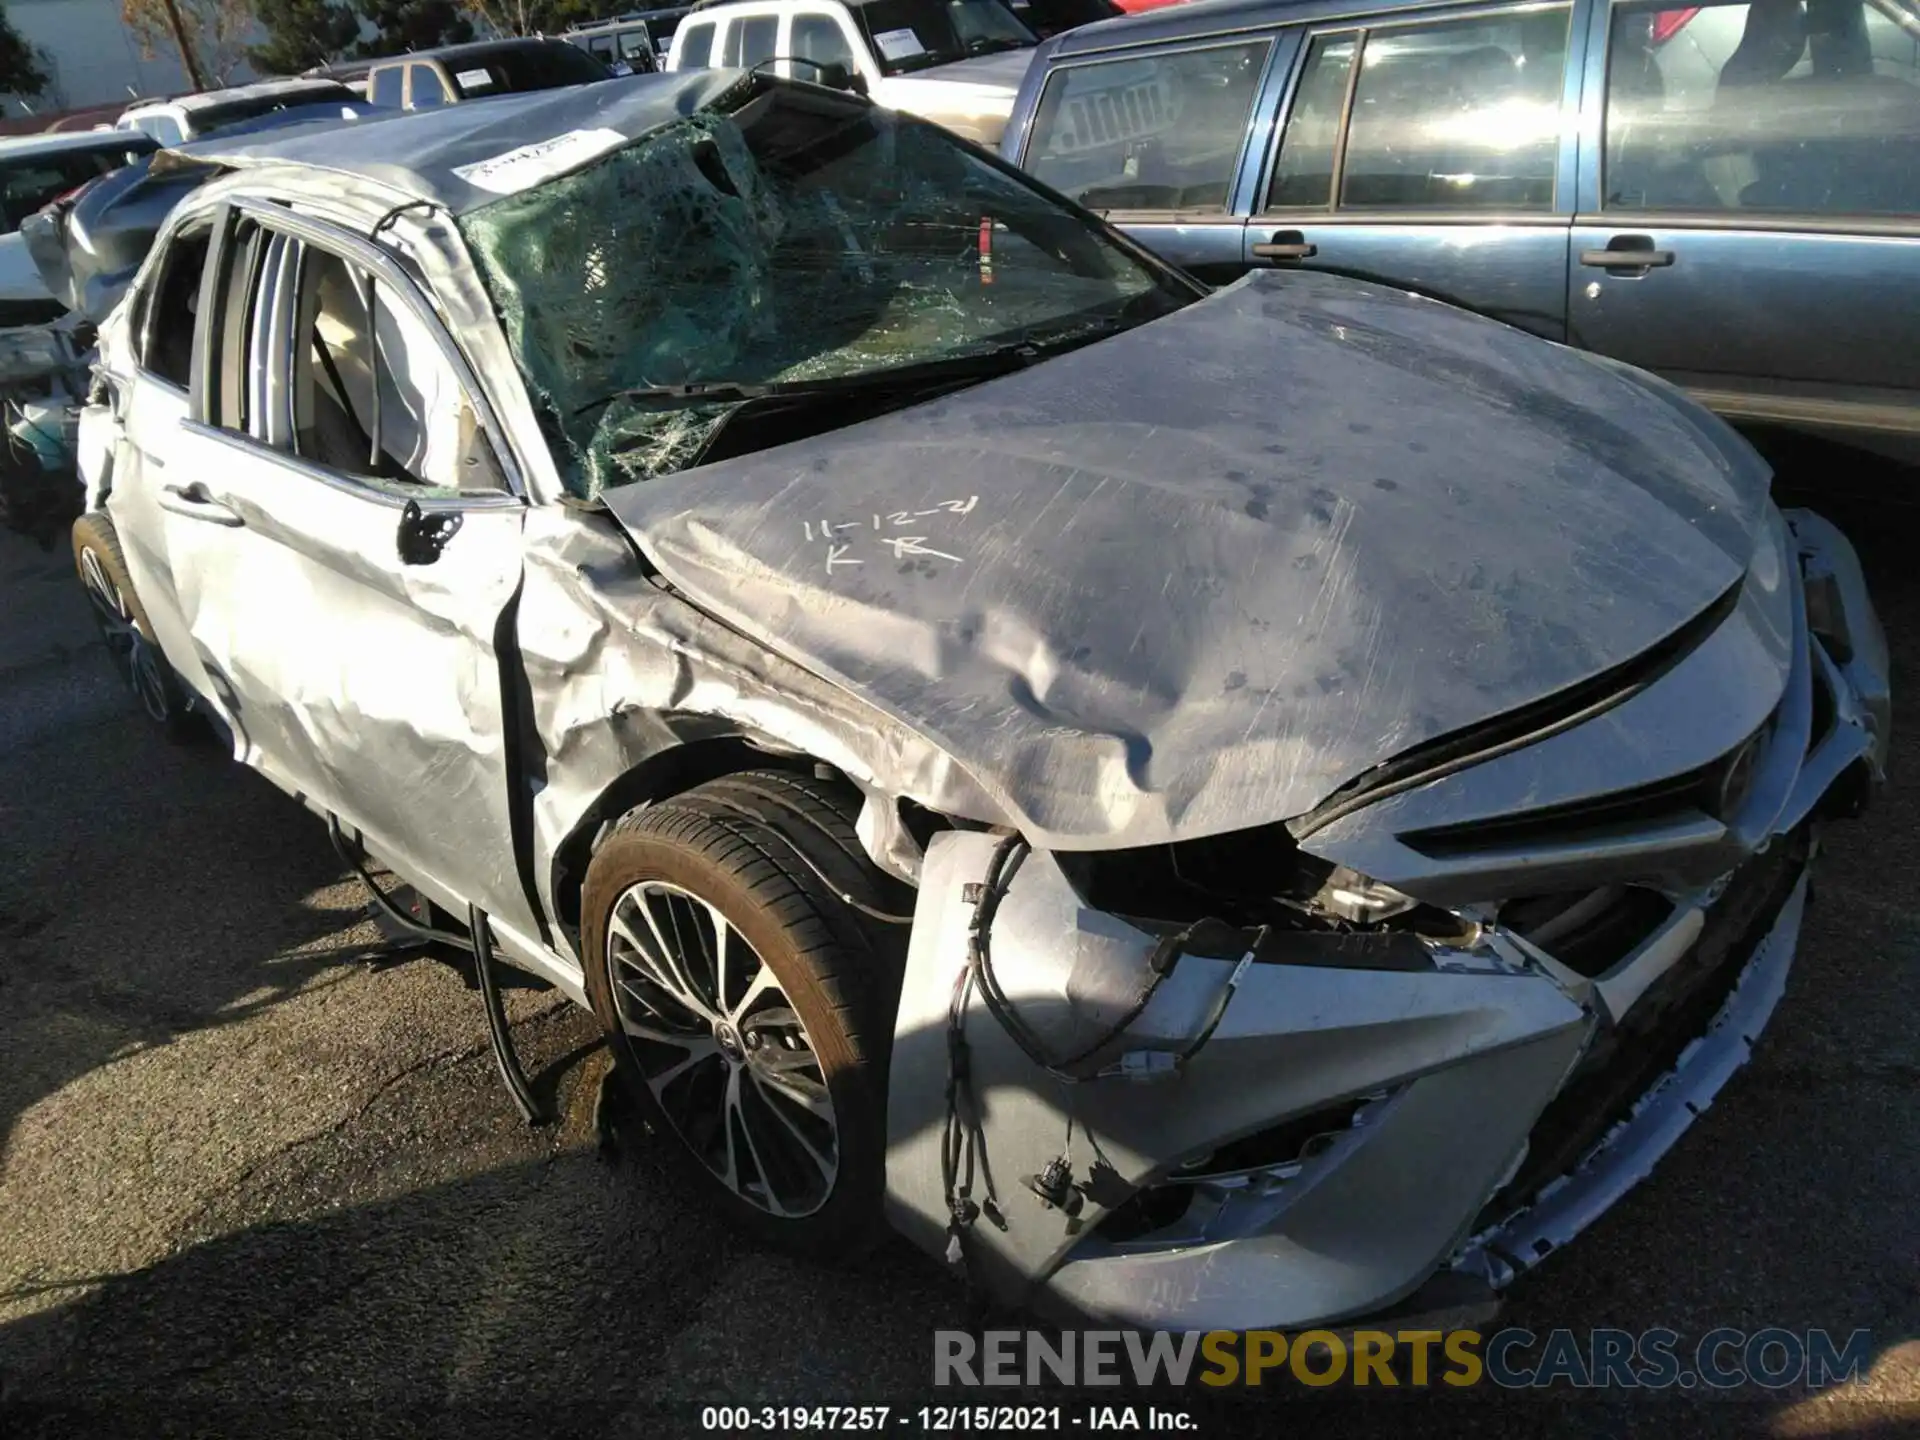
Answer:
(1195, 577)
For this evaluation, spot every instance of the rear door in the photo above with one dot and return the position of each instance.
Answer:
(1157, 141)
(349, 551)
(1437, 154)
(1750, 222)
(152, 453)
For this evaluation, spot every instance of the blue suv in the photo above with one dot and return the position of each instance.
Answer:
(1725, 194)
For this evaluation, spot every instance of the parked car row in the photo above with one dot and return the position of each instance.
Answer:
(1339, 773)
(1723, 194)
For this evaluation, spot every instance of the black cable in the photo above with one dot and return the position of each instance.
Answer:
(477, 942)
(387, 907)
(1002, 866)
(1224, 998)
(508, 1062)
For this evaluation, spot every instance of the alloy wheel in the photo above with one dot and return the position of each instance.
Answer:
(133, 655)
(722, 1049)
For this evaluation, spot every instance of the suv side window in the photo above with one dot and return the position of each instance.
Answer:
(1457, 114)
(1772, 106)
(752, 40)
(165, 326)
(1310, 146)
(385, 86)
(697, 48)
(427, 90)
(1152, 132)
(819, 38)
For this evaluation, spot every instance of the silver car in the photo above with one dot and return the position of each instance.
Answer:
(1207, 809)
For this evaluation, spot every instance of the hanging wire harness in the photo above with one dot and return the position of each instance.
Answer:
(963, 1160)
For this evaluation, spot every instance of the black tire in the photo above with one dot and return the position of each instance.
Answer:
(126, 631)
(742, 844)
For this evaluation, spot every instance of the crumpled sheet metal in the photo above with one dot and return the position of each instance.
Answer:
(309, 699)
(620, 670)
(1474, 1057)
(1179, 583)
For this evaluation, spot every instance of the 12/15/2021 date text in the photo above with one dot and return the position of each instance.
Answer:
(943, 1419)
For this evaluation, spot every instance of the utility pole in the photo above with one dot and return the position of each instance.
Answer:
(188, 58)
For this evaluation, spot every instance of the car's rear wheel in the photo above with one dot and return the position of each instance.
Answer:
(750, 1007)
(125, 629)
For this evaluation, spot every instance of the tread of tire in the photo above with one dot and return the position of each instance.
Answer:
(786, 891)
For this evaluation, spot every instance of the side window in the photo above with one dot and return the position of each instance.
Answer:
(384, 88)
(167, 317)
(167, 130)
(317, 361)
(601, 48)
(1458, 115)
(697, 48)
(1160, 132)
(372, 394)
(754, 40)
(1774, 106)
(819, 38)
(427, 89)
(1303, 175)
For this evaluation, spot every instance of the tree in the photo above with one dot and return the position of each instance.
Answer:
(541, 17)
(302, 34)
(209, 36)
(22, 71)
(413, 25)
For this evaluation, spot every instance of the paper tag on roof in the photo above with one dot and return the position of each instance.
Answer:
(899, 44)
(528, 166)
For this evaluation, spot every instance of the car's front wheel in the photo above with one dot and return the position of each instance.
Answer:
(125, 629)
(749, 1006)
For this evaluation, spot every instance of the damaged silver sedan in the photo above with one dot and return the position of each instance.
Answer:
(1260, 807)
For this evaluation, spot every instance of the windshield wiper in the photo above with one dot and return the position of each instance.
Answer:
(978, 364)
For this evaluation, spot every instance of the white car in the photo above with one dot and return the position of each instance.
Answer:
(173, 122)
(958, 63)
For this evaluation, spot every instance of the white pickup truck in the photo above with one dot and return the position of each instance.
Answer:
(958, 63)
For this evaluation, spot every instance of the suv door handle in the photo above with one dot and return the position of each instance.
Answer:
(1627, 252)
(1285, 245)
(191, 502)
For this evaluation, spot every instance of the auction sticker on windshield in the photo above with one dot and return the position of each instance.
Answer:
(899, 44)
(521, 169)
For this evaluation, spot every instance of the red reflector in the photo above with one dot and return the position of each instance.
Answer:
(1669, 23)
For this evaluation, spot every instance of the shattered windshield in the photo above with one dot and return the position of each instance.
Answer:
(803, 242)
(914, 34)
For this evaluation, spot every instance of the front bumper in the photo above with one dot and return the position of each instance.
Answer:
(1366, 1116)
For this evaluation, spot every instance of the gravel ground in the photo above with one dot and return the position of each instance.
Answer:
(252, 1185)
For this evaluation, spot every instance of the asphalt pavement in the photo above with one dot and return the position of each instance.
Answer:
(253, 1184)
